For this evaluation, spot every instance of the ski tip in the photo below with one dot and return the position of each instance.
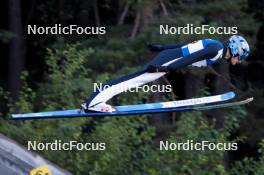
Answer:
(250, 99)
(246, 101)
(228, 95)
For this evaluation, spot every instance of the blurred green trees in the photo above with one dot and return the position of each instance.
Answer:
(73, 63)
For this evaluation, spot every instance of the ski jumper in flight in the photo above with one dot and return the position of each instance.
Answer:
(200, 53)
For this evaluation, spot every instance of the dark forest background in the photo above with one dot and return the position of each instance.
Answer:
(51, 72)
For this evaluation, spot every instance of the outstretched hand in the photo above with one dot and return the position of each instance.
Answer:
(154, 47)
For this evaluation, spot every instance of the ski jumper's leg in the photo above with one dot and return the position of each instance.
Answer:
(117, 86)
(120, 85)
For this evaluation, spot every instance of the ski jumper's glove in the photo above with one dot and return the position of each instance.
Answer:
(155, 47)
(157, 68)
(159, 47)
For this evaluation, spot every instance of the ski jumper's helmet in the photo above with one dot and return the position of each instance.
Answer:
(238, 47)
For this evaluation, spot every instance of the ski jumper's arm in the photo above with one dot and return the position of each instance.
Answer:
(159, 47)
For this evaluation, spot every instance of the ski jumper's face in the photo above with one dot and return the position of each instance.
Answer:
(235, 60)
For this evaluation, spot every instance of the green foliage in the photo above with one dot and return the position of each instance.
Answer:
(127, 141)
(4, 98)
(67, 77)
(193, 127)
(27, 96)
(6, 36)
(132, 142)
(249, 165)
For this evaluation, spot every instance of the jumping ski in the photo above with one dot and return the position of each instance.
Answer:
(160, 107)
